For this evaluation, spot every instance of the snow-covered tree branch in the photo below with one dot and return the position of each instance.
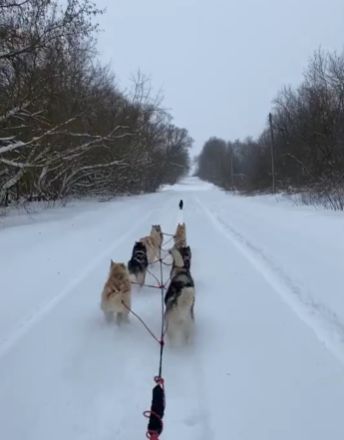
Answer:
(65, 127)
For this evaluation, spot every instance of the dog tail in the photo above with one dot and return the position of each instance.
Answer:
(113, 301)
(132, 276)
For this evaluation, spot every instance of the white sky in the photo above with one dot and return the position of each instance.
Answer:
(219, 63)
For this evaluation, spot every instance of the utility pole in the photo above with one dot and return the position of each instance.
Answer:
(272, 150)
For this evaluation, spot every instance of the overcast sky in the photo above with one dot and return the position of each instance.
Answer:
(219, 63)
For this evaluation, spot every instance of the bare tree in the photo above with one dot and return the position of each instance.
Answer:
(65, 127)
(304, 139)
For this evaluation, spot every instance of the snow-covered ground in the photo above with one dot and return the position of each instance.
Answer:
(268, 357)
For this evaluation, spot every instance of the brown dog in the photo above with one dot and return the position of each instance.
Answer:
(116, 295)
(180, 236)
(181, 259)
(152, 243)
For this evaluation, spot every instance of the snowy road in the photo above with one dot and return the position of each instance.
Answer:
(268, 357)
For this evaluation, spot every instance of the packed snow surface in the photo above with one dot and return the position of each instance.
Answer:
(267, 360)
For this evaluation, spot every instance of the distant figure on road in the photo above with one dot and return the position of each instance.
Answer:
(181, 204)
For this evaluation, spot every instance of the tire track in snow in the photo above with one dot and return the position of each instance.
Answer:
(327, 327)
(27, 323)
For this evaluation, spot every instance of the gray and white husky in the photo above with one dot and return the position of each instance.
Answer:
(179, 302)
(181, 259)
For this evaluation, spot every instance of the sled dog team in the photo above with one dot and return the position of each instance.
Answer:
(180, 294)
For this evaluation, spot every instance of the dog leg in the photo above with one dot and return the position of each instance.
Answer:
(188, 332)
(132, 277)
(169, 332)
(171, 338)
(174, 334)
(125, 315)
(119, 318)
(126, 318)
(141, 278)
(192, 311)
(108, 316)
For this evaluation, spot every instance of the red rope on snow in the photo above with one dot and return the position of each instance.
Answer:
(146, 285)
(156, 413)
(161, 342)
(159, 282)
(162, 260)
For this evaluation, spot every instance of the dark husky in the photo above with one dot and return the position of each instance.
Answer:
(137, 265)
(181, 259)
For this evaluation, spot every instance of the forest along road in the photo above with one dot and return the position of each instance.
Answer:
(267, 360)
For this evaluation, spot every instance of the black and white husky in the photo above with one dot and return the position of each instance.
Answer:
(181, 259)
(137, 265)
(179, 302)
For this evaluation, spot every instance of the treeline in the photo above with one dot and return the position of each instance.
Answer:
(65, 127)
(302, 146)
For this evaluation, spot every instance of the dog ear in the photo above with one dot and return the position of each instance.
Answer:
(111, 264)
(123, 265)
